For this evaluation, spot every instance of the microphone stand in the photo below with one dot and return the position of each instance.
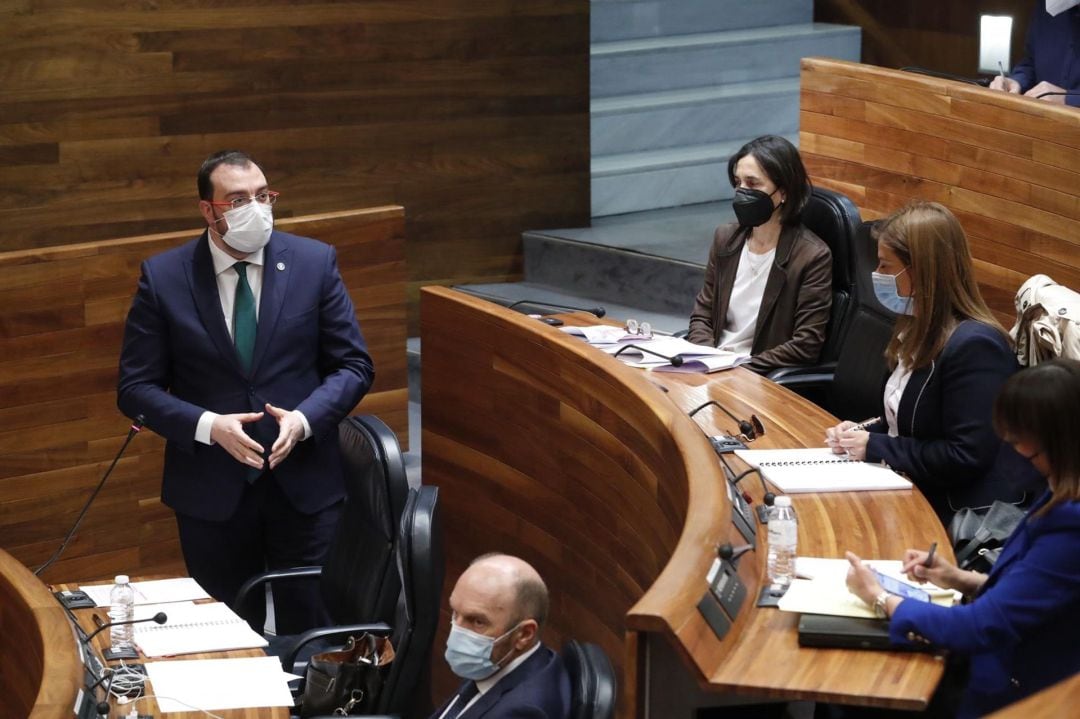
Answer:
(676, 360)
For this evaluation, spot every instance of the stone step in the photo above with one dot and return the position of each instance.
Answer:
(695, 116)
(640, 181)
(624, 19)
(625, 67)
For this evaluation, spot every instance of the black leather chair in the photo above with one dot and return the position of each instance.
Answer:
(359, 580)
(852, 388)
(412, 629)
(592, 681)
(835, 219)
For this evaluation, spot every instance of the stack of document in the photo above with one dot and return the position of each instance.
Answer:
(193, 629)
(822, 588)
(817, 469)
(695, 358)
(156, 591)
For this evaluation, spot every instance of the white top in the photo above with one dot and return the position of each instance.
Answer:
(894, 391)
(745, 301)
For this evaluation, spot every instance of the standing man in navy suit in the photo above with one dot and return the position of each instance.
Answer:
(242, 350)
(499, 605)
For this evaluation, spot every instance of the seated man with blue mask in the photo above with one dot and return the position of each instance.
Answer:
(498, 606)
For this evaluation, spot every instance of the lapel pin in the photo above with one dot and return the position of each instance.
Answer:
(280, 266)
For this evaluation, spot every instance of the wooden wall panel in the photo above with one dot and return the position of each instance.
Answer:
(471, 115)
(1008, 167)
(936, 34)
(62, 312)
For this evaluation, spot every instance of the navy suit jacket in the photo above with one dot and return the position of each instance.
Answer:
(178, 360)
(1021, 631)
(537, 689)
(1053, 52)
(947, 445)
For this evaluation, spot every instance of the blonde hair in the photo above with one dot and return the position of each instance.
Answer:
(930, 242)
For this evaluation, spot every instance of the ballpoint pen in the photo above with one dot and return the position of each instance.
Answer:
(864, 424)
(1002, 68)
(929, 561)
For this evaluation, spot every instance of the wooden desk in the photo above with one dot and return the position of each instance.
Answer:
(1050, 703)
(150, 706)
(546, 448)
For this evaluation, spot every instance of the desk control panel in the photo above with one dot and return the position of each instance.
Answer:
(725, 596)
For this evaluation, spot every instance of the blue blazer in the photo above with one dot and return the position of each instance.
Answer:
(179, 360)
(1051, 52)
(947, 445)
(1021, 631)
(537, 689)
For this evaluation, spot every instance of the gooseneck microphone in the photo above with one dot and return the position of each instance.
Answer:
(136, 427)
(729, 553)
(751, 428)
(1041, 95)
(675, 360)
(598, 311)
(767, 499)
(159, 618)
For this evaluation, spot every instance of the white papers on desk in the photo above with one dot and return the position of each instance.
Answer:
(667, 346)
(192, 629)
(706, 364)
(211, 684)
(823, 588)
(157, 591)
(601, 334)
(795, 471)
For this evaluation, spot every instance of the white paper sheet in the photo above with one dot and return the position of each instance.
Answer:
(156, 591)
(210, 684)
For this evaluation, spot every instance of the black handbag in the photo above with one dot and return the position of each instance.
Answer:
(347, 681)
(978, 534)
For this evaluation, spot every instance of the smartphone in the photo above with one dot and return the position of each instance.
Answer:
(901, 589)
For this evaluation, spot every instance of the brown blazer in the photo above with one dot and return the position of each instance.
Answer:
(794, 309)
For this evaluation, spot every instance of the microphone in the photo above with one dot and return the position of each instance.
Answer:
(751, 429)
(1041, 95)
(675, 360)
(136, 426)
(159, 618)
(729, 553)
(598, 311)
(103, 706)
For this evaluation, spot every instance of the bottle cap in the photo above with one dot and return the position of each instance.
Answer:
(122, 579)
(783, 501)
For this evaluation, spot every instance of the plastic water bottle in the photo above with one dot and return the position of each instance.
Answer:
(783, 543)
(121, 609)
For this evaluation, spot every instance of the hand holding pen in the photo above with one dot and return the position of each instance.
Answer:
(1003, 82)
(850, 438)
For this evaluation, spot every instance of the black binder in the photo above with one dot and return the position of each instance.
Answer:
(822, 630)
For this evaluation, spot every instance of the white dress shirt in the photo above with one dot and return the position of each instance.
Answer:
(745, 302)
(483, 686)
(894, 392)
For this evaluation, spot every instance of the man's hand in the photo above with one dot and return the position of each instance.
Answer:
(1000, 82)
(290, 431)
(1047, 87)
(228, 431)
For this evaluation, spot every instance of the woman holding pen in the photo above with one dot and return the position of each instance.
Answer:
(1019, 630)
(949, 357)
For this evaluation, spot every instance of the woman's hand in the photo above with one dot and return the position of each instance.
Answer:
(941, 572)
(861, 580)
(832, 435)
(852, 442)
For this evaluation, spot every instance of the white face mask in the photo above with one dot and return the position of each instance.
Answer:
(249, 227)
(1056, 7)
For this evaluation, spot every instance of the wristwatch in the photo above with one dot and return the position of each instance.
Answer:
(880, 608)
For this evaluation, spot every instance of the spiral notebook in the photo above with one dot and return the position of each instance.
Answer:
(192, 629)
(795, 471)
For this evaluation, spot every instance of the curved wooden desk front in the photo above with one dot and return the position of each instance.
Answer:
(40, 670)
(545, 448)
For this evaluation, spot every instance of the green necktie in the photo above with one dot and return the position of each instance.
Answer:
(244, 321)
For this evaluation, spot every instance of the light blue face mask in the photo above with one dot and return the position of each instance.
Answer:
(889, 297)
(469, 653)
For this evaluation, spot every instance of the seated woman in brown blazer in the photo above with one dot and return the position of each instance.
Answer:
(768, 284)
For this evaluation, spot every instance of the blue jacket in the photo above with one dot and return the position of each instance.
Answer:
(1021, 631)
(947, 445)
(179, 360)
(1052, 53)
(537, 689)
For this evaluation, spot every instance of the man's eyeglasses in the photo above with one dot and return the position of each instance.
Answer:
(266, 197)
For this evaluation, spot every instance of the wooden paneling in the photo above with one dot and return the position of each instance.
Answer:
(472, 115)
(62, 312)
(1008, 167)
(940, 35)
(594, 472)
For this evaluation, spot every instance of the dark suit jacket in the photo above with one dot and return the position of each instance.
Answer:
(794, 309)
(538, 689)
(1052, 52)
(178, 360)
(1021, 631)
(947, 445)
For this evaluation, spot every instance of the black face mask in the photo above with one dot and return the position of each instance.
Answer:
(752, 207)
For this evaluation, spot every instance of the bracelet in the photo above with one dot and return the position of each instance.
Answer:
(881, 607)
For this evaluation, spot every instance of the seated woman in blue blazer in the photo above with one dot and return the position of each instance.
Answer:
(949, 358)
(1020, 629)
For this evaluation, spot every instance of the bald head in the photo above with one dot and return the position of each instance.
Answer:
(498, 592)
